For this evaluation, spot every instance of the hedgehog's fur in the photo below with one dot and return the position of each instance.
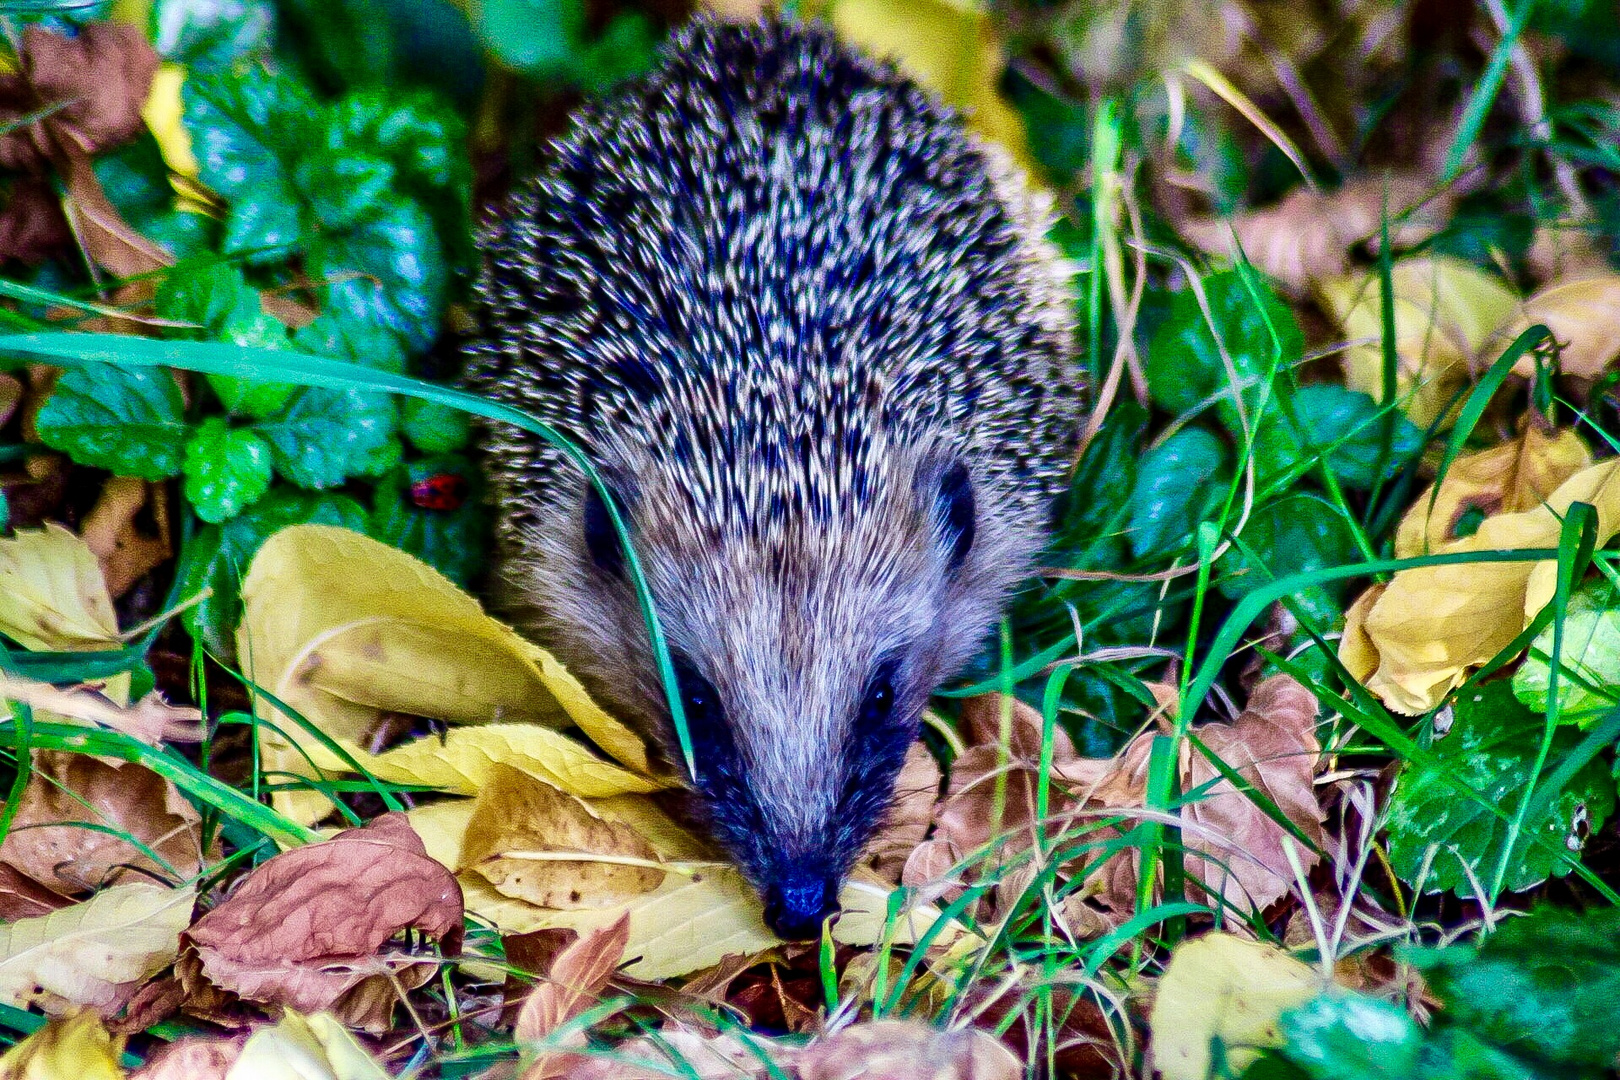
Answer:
(813, 336)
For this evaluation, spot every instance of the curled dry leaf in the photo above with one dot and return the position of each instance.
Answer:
(1580, 316)
(908, 1050)
(52, 595)
(1223, 987)
(49, 839)
(1506, 479)
(910, 815)
(305, 1048)
(99, 76)
(96, 953)
(1419, 637)
(344, 629)
(151, 719)
(125, 551)
(78, 1047)
(522, 831)
(1446, 313)
(21, 897)
(194, 1057)
(577, 978)
(307, 930)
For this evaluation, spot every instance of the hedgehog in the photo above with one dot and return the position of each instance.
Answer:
(814, 338)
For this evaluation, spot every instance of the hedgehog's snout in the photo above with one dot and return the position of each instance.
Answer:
(798, 903)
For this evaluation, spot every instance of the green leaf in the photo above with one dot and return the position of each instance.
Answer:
(434, 428)
(129, 421)
(136, 181)
(245, 130)
(218, 299)
(1492, 747)
(1294, 535)
(226, 469)
(451, 539)
(537, 37)
(1589, 682)
(1341, 425)
(209, 34)
(218, 556)
(342, 187)
(1543, 986)
(388, 271)
(1181, 482)
(1184, 364)
(1349, 1037)
(326, 436)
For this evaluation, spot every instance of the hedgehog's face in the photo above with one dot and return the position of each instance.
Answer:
(805, 655)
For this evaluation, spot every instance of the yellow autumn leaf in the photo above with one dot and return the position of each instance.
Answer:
(304, 1048)
(1446, 312)
(1510, 478)
(1229, 988)
(1580, 315)
(343, 629)
(79, 1047)
(1433, 624)
(164, 116)
(93, 953)
(52, 595)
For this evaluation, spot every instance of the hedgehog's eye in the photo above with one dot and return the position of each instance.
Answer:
(877, 704)
(956, 511)
(699, 699)
(601, 541)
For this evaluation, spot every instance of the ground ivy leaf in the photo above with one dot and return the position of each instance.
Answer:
(1542, 987)
(1296, 534)
(1348, 1037)
(1184, 363)
(388, 271)
(434, 428)
(1589, 682)
(206, 296)
(1492, 747)
(227, 470)
(129, 420)
(245, 129)
(1180, 483)
(218, 556)
(1342, 425)
(324, 437)
(349, 339)
(136, 181)
(430, 508)
(210, 34)
(342, 187)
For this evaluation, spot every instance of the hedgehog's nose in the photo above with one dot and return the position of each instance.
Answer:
(796, 906)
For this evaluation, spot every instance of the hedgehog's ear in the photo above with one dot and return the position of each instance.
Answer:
(956, 511)
(601, 541)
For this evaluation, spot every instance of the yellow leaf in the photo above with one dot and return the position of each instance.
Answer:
(78, 1047)
(164, 115)
(1227, 988)
(1446, 312)
(52, 596)
(94, 953)
(1580, 316)
(304, 1048)
(343, 629)
(1510, 478)
(1433, 624)
(519, 828)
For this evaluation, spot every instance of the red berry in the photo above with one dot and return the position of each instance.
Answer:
(441, 491)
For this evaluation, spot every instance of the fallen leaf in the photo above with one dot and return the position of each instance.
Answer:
(165, 118)
(125, 551)
(577, 978)
(344, 628)
(517, 821)
(52, 596)
(679, 1051)
(910, 815)
(21, 897)
(1446, 313)
(193, 1057)
(306, 930)
(11, 395)
(908, 1050)
(1560, 253)
(1510, 478)
(304, 1048)
(1580, 315)
(96, 953)
(1228, 988)
(49, 839)
(151, 719)
(32, 225)
(1432, 625)
(78, 1047)
(98, 75)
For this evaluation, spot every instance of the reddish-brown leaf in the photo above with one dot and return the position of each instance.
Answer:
(577, 978)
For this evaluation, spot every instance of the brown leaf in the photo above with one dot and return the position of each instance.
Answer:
(682, 1052)
(1580, 315)
(99, 76)
(517, 815)
(194, 1057)
(910, 815)
(151, 719)
(126, 551)
(908, 1050)
(106, 236)
(307, 929)
(21, 897)
(32, 227)
(49, 842)
(11, 390)
(578, 977)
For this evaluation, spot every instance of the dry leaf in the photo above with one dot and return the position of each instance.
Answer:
(151, 720)
(305, 929)
(910, 815)
(98, 75)
(32, 226)
(577, 978)
(1509, 478)
(11, 394)
(1561, 253)
(517, 818)
(193, 1057)
(48, 839)
(126, 553)
(1446, 313)
(908, 1050)
(96, 953)
(52, 596)
(165, 118)
(679, 1051)
(1431, 625)
(304, 1048)
(344, 628)
(78, 1047)
(21, 897)
(1227, 988)
(1580, 314)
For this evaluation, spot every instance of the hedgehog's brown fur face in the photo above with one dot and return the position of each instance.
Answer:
(805, 656)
